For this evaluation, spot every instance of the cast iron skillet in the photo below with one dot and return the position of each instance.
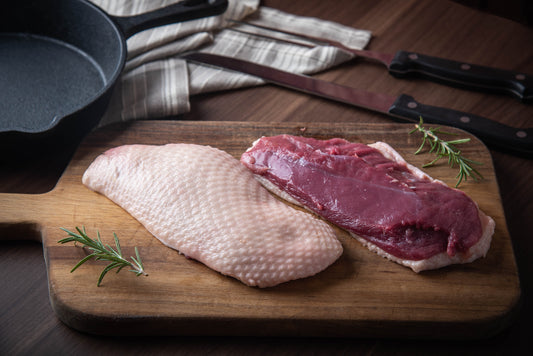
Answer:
(59, 60)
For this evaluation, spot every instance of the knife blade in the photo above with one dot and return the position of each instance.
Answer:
(403, 107)
(409, 64)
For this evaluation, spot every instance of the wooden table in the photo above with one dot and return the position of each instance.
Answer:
(440, 28)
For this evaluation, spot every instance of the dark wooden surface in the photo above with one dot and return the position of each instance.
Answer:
(440, 28)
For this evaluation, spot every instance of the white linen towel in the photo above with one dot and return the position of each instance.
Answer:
(157, 83)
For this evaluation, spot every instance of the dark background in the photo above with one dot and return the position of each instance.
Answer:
(517, 10)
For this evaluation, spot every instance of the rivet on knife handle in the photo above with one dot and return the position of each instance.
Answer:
(464, 75)
(495, 134)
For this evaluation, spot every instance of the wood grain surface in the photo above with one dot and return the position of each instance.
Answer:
(361, 294)
(433, 27)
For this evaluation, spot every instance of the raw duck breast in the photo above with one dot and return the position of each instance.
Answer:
(202, 202)
(390, 206)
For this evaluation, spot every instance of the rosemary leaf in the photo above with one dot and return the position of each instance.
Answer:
(103, 252)
(85, 259)
(447, 149)
(117, 244)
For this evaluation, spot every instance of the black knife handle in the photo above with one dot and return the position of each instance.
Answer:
(492, 133)
(463, 75)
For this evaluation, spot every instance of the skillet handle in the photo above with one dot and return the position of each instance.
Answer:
(182, 11)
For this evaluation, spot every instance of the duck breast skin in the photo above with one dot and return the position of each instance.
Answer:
(202, 202)
(392, 207)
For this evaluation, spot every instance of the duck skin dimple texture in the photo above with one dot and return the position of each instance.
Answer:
(390, 206)
(202, 202)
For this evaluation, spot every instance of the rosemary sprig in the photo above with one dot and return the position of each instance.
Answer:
(103, 252)
(443, 148)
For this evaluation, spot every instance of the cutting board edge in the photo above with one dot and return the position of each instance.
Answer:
(154, 325)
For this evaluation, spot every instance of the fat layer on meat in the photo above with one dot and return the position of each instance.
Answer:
(202, 202)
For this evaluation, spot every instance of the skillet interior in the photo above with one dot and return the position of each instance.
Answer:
(57, 58)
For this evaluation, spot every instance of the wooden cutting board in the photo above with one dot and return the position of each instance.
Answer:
(361, 294)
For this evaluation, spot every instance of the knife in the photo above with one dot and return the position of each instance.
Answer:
(403, 107)
(445, 71)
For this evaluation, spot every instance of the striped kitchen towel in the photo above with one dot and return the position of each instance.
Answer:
(157, 83)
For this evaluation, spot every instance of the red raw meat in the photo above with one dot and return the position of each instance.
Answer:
(392, 207)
